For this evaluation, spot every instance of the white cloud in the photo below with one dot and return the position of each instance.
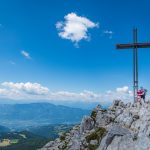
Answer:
(26, 54)
(29, 88)
(124, 89)
(75, 28)
(35, 91)
(3, 91)
(72, 96)
(122, 93)
(109, 33)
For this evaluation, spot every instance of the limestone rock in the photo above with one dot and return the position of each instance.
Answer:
(113, 131)
(86, 124)
(120, 127)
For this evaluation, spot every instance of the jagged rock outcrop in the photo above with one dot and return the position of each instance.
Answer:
(120, 127)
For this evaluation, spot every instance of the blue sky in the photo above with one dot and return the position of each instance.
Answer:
(33, 51)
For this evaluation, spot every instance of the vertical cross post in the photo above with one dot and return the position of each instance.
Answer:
(135, 65)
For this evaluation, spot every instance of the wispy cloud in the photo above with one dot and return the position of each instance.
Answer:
(108, 33)
(36, 91)
(12, 62)
(75, 28)
(25, 54)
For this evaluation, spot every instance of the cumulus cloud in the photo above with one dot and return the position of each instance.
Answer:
(25, 54)
(30, 88)
(75, 28)
(35, 91)
(124, 89)
(122, 93)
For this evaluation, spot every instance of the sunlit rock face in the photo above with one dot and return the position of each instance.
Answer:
(120, 127)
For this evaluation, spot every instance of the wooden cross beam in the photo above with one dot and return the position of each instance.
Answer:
(135, 45)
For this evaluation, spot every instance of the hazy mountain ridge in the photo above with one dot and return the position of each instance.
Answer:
(73, 104)
(25, 115)
(4, 129)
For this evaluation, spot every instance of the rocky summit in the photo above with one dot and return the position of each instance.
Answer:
(120, 127)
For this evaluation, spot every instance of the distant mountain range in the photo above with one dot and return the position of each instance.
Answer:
(4, 129)
(20, 116)
(74, 104)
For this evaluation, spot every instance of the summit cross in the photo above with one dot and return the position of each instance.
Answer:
(135, 45)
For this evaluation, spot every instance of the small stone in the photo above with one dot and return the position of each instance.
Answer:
(93, 142)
